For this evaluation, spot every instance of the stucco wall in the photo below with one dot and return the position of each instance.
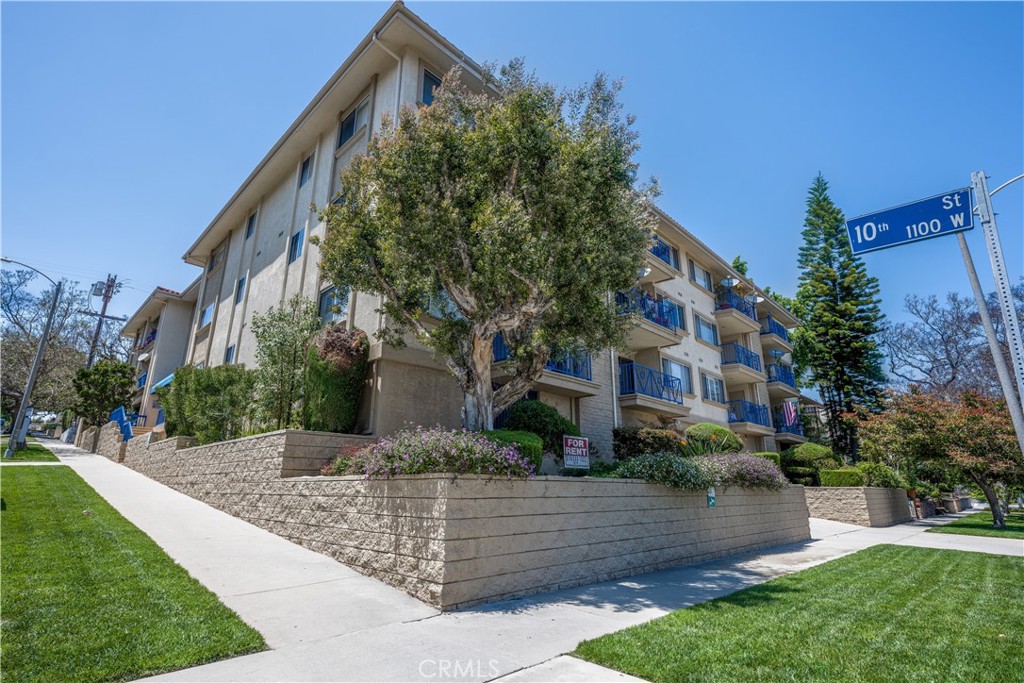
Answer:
(863, 505)
(110, 443)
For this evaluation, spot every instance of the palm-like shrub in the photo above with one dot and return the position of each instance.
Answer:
(707, 437)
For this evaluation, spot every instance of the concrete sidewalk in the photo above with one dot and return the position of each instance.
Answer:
(328, 623)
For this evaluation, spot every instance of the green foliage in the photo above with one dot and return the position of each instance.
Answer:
(282, 337)
(881, 475)
(774, 457)
(839, 305)
(336, 369)
(530, 445)
(848, 477)
(804, 481)
(102, 389)
(544, 421)
(741, 265)
(811, 455)
(479, 204)
(707, 437)
(210, 404)
(698, 473)
(629, 442)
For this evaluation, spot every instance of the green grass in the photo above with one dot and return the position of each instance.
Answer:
(980, 524)
(89, 597)
(888, 613)
(33, 452)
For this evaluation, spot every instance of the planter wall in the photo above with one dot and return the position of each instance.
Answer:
(455, 542)
(110, 443)
(863, 505)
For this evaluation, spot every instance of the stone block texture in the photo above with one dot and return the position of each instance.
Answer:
(863, 505)
(453, 542)
(110, 443)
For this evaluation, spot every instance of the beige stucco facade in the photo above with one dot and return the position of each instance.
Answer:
(256, 254)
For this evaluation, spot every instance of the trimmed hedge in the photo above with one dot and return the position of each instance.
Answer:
(529, 444)
(774, 457)
(881, 475)
(544, 421)
(811, 455)
(630, 442)
(843, 478)
(708, 437)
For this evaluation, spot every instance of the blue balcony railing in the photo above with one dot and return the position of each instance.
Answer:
(659, 311)
(781, 427)
(780, 372)
(745, 411)
(770, 325)
(141, 382)
(727, 298)
(663, 250)
(640, 379)
(741, 355)
(571, 363)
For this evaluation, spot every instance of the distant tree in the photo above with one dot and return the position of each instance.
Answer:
(283, 336)
(102, 389)
(839, 305)
(740, 265)
(513, 212)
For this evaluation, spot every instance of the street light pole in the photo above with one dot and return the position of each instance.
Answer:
(17, 440)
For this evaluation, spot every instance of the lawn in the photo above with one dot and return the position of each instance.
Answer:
(888, 613)
(980, 524)
(33, 452)
(88, 597)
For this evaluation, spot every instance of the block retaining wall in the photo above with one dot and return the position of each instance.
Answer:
(110, 443)
(862, 505)
(456, 542)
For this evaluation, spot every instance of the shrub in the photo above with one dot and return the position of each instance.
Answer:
(811, 455)
(842, 478)
(707, 437)
(600, 469)
(698, 473)
(774, 457)
(210, 404)
(801, 471)
(881, 475)
(529, 444)
(335, 373)
(746, 471)
(419, 451)
(542, 420)
(670, 469)
(802, 481)
(629, 442)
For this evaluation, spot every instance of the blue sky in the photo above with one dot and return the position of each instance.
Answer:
(126, 127)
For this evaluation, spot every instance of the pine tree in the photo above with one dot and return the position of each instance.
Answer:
(839, 304)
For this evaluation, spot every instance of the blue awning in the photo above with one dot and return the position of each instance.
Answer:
(162, 383)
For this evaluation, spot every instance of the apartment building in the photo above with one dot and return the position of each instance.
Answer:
(160, 329)
(707, 344)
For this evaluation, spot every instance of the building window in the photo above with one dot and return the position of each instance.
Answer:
(206, 317)
(295, 246)
(430, 83)
(714, 388)
(680, 318)
(239, 290)
(701, 276)
(333, 305)
(216, 259)
(680, 370)
(306, 172)
(705, 329)
(250, 225)
(353, 123)
(200, 366)
(229, 355)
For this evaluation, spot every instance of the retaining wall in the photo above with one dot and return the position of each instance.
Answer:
(110, 443)
(455, 542)
(863, 505)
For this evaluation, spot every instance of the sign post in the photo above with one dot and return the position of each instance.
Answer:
(576, 452)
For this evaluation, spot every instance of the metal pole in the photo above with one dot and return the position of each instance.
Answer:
(16, 442)
(108, 292)
(1003, 290)
(1005, 380)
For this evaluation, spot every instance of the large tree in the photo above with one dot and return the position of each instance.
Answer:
(839, 305)
(102, 389)
(515, 211)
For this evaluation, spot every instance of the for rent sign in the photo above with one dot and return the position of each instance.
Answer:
(577, 452)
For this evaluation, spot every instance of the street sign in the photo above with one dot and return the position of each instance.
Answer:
(943, 214)
(576, 451)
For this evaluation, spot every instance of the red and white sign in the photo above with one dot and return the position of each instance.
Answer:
(577, 452)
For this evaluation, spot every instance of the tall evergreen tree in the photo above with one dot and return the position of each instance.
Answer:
(839, 304)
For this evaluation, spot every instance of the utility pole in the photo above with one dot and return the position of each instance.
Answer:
(107, 294)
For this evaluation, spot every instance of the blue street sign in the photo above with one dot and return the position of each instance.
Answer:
(942, 214)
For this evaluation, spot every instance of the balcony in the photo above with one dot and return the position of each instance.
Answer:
(749, 418)
(141, 381)
(658, 320)
(791, 433)
(740, 365)
(569, 373)
(781, 381)
(734, 314)
(662, 262)
(648, 390)
(774, 335)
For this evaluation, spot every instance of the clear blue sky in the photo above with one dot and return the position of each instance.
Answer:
(126, 127)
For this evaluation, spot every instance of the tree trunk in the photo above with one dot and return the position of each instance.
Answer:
(998, 519)
(478, 403)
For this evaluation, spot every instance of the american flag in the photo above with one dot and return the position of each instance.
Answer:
(789, 413)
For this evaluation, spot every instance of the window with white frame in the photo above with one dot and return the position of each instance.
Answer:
(229, 355)
(705, 329)
(680, 370)
(354, 121)
(240, 290)
(714, 388)
(333, 305)
(250, 225)
(306, 170)
(701, 276)
(206, 317)
(295, 246)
